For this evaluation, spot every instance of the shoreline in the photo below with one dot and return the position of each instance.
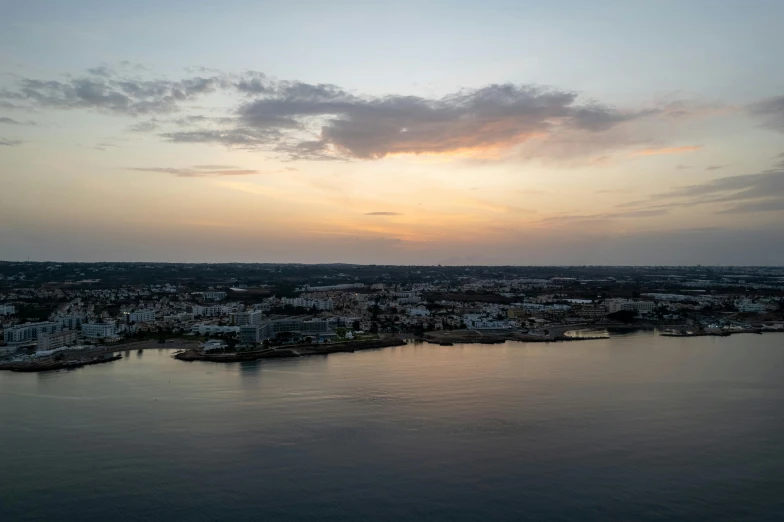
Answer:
(282, 353)
(442, 338)
(49, 366)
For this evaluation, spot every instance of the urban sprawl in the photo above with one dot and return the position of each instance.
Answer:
(53, 310)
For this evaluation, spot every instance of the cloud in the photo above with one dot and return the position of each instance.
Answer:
(771, 111)
(200, 171)
(683, 167)
(299, 120)
(761, 192)
(666, 150)
(145, 126)
(236, 138)
(493, 117)
(768, 205)
(105, 91)
(101, 70)
(613, 191)
(10, 121)
(606, 216)
(9, 143)
(383, 214)
(715, 167)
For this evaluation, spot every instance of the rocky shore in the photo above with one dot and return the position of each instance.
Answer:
(51, 365)
(288, 351)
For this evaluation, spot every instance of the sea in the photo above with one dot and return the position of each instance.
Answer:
(634, 427)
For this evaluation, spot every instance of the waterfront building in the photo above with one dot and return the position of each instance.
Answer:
(57, 340)
(641, 307)
(315, 326)
(71, 322)
(249, 334)
(99, 330)
(247, 318)
(29, 332)
(212, 329)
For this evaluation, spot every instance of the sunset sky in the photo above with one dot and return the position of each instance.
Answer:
(563, 132)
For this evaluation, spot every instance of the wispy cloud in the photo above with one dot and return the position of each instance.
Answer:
(9, 143)
(569, 218)
(10, 121)
(771, 111)
(383, 214)
(715, 167)
(667, 150)
(748, 193)
(299, 120)
(323, 121)
(200, 171)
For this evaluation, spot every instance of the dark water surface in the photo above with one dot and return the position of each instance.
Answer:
(633, 428)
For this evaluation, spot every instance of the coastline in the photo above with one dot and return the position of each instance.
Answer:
(190, 353)
(288, 352)
(48, 366)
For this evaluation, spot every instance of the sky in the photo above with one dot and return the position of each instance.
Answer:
(429, 132)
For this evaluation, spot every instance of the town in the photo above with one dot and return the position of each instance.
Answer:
(60, 314)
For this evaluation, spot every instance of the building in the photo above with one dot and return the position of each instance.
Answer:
(142, 316)
(212, 329)
(214, 345)
(330, 288)
(301, 302)
(71, 322)
(641, 307)
(516, 313)
(7, 309)
(250, 334)
(99, 330)
(746, 305)
(214, 296)
(57, 340)
(590, 311)
(247, 318)
(29, 332)
(210, 311)
(315, 326)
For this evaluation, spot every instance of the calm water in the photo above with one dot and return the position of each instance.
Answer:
(633, 428)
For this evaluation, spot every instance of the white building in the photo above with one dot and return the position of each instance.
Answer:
(99, 330)
(210, 311)
(142, 316)
(641, 307)
(29, 332)
(214, 296)
(7, 309)
(318, 304)
(247, 318)
(214, 345)
(746, 305)
(250, 334)
(71, 322)
(212, 329)
(57, 340)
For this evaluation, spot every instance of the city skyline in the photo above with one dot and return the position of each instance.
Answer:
(511, 133)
